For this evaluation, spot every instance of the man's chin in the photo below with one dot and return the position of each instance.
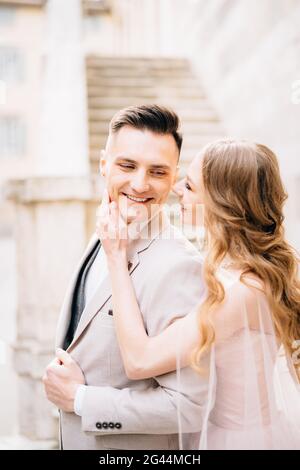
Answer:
(136, 218)
(135, 212)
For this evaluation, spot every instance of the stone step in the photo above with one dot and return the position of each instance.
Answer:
(116, 72)
(132, 62)
(141, 81)
(198, 115)
(97, 92)
(115, 83)
(124, 101)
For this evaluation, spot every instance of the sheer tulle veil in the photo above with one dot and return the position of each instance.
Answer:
(253, 398)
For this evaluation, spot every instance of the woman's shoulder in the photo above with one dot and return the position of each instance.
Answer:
(237, 283)
(244, 302)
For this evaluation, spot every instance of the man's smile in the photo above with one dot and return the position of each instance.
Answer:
(140, 200)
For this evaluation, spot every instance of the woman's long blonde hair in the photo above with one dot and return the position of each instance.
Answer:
(244, 198)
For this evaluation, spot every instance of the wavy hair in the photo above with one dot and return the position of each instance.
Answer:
(244, 198)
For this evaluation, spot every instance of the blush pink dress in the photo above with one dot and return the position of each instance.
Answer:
(253, 399)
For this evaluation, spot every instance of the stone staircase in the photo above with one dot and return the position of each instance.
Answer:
(114, 83)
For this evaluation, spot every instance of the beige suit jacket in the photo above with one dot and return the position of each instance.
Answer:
(119, 413)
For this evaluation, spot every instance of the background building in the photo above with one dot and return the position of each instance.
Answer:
(229, 67)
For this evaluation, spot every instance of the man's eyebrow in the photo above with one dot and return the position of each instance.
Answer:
(161, 167)
(126, 159)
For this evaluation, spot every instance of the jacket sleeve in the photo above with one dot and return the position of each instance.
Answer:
(155, 409)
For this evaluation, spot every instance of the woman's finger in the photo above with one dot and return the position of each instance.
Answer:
(118, 222)
(102, 227)
(105, 196)
(104, 206)
(114, 213)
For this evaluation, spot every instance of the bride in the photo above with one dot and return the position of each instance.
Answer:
(245, 336)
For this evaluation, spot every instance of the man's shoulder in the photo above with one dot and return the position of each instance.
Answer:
(173, 276)
(172, 247)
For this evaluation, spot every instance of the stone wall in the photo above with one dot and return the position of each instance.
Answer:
(248, 56)
(54, 219)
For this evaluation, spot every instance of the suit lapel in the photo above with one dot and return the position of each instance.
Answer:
(103, 292)
(98, 301)
(65, 313)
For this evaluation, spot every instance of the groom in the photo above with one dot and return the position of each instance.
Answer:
(100, 407)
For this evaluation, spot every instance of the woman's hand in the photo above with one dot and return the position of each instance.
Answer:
(111, 229)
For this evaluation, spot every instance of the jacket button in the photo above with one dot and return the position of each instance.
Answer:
(111, 425)
(118, 425)
(105, 425)
(98, 425)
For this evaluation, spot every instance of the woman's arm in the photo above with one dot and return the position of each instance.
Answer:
(145, 356)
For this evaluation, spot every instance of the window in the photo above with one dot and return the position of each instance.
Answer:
(11, 64)
(7, 15)
(12, 136)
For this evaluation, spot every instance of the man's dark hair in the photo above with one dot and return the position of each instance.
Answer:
(152, 117)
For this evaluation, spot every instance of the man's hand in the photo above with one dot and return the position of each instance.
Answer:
(61, 380)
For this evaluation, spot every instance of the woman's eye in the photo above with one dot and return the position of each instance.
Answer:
(188, 186)
(158, 173)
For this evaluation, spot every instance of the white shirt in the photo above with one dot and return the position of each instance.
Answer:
(96, 275)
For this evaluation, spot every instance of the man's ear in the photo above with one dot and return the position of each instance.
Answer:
(176, 174)
(102, 163)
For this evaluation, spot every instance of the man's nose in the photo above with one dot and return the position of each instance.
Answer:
(140, 183)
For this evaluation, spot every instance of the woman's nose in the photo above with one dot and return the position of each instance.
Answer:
(177, 188)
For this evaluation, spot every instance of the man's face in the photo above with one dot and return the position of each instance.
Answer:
(140, 168)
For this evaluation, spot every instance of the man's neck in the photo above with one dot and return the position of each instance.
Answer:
(147, 229)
